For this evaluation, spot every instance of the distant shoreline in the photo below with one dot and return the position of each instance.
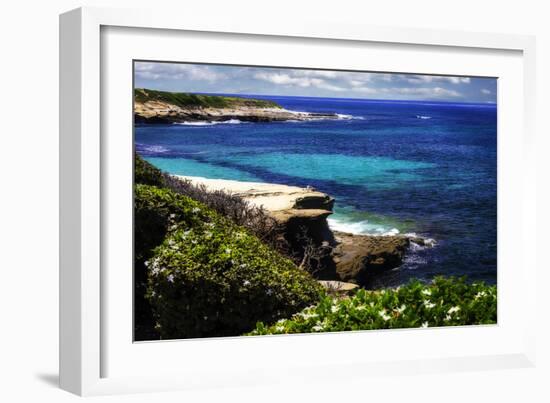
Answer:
(161, 107)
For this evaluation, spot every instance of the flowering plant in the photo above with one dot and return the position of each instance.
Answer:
(444, 302)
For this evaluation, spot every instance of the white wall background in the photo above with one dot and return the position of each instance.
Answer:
(29, 200)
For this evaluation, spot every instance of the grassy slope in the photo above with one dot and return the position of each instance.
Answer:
(186, 100)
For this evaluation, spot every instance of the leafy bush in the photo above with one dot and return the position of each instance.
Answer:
(147, 174)
(155, 210)
(444, 302)
(212, 278)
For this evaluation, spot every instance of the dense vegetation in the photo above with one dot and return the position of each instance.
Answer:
(444, 302)
(207, 276)
(212, 278)
(187, 100)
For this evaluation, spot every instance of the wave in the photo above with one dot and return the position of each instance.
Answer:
(343, 116)
(155, 149)
(361, 228)
(195, 123)
(423, 117)
(204, 123)
(421, 242)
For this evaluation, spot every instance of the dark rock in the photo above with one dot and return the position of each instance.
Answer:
(357, 257)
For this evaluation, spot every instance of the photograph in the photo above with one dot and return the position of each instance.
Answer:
(275, 200)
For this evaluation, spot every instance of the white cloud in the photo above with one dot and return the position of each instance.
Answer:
(299, 78)
(485, 91)
(435, 92)
(172, 71)
(416, 79)
(365, 90)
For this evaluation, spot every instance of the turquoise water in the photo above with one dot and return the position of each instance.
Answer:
(393, 167)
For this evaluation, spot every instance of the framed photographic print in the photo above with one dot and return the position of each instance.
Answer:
(236, 195)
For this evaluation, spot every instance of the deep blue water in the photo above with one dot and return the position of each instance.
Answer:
(395, 166)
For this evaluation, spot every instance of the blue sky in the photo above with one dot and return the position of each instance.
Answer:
(179, 77)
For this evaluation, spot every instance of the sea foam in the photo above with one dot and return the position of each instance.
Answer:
(361, 228)
(203, 123)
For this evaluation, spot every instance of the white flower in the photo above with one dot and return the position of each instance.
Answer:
(196, 210)
(172, 215)
(447, 318)
(480, 294)
(401, 309)
(428, 304)
(425, 324)
(453, 309)
(318, 327)
(426, 292)
(170, 278)
(269, 291)
(206, 318)
(307, 315)
(334, 308)
(228, 251)
(383, 315)
(246, 282)
(280, 328)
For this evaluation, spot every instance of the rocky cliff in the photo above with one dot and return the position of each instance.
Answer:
(353, 258)
(152, 106)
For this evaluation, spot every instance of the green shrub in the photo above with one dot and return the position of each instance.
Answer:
(213, 278)
(158, 209)
(147, 174)
(444, 302)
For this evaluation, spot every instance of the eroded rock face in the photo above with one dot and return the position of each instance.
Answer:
(357, 257)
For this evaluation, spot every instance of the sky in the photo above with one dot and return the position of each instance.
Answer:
(222, 79)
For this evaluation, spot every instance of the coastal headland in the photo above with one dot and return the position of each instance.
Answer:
(160, 107)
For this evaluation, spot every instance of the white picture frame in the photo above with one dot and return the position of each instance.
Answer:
(88, 335)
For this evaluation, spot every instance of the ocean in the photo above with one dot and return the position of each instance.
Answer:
(426, 168)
